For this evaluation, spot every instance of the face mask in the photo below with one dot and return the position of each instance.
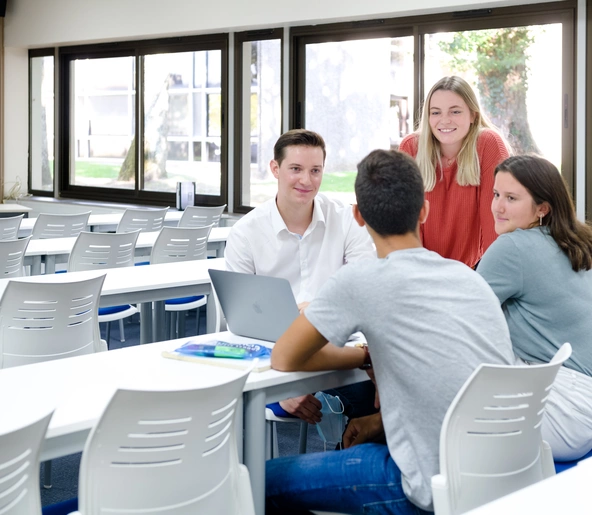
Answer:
(332, 423)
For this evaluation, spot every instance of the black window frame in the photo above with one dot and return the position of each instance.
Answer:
(137, 49)
(33, 53)
(239, 39)
(418, 26)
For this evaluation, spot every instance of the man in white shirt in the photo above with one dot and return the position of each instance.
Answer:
(300, 235)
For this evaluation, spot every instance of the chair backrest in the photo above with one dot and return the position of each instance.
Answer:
(98, 250)
(490, 442)
(146, 220)
(200, 216)
(42, 321)
(49, 225)
(180, 244)
(12, 255)
(19, 466)
(166, 452)
(9, 227)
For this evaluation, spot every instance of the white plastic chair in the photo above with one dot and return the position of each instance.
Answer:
(146, 220)
(41, 321)
(200, 216)
(97, 251)
(490, 442)
(9, 227)
(49, 225)
(19, 465)
(12, 255)
(181, 244)
(166, 452)
(271, 439)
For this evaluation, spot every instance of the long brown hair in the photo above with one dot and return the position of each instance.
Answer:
(545, 184)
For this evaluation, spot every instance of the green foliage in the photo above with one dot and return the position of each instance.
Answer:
(338, 182)
(96, 170)
(499, 59)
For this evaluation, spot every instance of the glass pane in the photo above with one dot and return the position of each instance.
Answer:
(514, 73)
(182, 121)
(358, 97)
(261, 118)
(42, 123)
(103, 144)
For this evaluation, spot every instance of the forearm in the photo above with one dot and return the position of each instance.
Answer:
(303, 348)
(329, 357)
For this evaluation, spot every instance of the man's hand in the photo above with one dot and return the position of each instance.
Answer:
(307, 408)
(363, 429)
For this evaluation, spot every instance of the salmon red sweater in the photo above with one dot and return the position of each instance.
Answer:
(460, 224)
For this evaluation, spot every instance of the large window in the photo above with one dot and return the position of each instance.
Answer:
(41, 122)
(144, 116)
(362, 85)
(258, 76)
(135, 118)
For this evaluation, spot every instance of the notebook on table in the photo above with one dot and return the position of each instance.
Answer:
(255, 306)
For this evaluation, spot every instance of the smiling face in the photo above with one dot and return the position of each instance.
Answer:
(450, 120)
(513, 206)
(299, 175)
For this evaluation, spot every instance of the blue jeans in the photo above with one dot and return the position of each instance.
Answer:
(363, 479)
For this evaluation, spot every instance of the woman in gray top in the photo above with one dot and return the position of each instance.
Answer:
(540, 269)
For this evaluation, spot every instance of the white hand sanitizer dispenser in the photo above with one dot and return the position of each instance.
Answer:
(185, 194)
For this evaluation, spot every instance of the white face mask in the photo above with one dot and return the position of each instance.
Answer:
(332, 424)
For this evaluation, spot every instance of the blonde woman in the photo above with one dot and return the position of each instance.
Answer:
(457, 150)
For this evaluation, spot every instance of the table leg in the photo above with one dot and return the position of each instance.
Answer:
(220, 246)
(254, 449)
(36, 265)
(212, 322)
(50, 263)
(159, 322)
(146, 322)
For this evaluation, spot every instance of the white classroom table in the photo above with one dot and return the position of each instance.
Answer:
(79, 388)
(146, 284)
(567, 492)
(57, 250)
(100, 223)
(10, 209)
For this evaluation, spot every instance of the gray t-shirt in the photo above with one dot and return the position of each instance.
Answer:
(429, 323)
(545, 302)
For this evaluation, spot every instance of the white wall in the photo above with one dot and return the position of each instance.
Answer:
(43, 23)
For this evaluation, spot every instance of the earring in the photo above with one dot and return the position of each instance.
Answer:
(541, 219)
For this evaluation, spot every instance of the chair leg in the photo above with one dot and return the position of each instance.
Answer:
(172, 325)
(272, 449)
(108, 338)
(197, 315)
(121, 331)
(168, 324)
(181, 324)
(268, 440)
(47, 474)
(303, 437)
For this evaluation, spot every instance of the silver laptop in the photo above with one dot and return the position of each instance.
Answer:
(255, 306)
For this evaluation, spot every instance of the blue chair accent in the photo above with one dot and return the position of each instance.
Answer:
(181, 244)
(278, 411)
(97, 251)
(61, 508)
(560, 466)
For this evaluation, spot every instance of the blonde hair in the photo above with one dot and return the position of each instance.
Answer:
(428, 147)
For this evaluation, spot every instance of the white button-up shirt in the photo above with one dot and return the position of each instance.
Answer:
(260, 243)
